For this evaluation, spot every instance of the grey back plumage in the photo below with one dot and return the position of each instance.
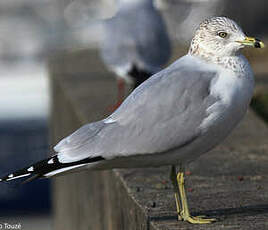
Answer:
(163, 113)
(136, 36)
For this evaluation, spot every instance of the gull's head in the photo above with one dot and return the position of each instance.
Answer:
(221, 36)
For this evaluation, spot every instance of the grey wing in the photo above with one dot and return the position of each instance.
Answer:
(163, 113)
(82, 136)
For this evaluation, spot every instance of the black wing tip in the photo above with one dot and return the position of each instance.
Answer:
(22, 173)
(29, 173)
(43, 167)
(14, 176)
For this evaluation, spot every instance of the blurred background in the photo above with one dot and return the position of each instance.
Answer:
(32, 32)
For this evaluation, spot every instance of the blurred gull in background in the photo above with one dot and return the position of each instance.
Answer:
(134, 43)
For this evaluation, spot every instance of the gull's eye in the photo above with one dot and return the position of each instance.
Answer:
(222, 34)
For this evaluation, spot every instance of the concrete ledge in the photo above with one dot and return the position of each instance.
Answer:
(229, 183)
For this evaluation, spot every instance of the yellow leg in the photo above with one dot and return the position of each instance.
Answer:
(173, 178)
(185, 214)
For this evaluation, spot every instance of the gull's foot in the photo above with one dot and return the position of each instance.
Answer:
(179, 217)
(198, 220)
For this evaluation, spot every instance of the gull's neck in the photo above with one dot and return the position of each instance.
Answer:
(236, 63)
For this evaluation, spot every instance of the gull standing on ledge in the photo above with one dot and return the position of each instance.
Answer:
(172, 118)
(135, 44)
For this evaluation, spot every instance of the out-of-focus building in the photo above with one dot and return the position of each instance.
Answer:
(27, 37)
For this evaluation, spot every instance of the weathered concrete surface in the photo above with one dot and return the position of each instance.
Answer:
(230, 183)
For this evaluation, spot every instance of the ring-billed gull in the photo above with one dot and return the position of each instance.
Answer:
(135, 44)
(172, 118)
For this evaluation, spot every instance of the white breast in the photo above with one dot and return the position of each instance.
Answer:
(234, 90)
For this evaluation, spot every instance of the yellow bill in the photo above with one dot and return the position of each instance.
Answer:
(254, 42)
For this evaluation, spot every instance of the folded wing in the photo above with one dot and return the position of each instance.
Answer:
(163, 113)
